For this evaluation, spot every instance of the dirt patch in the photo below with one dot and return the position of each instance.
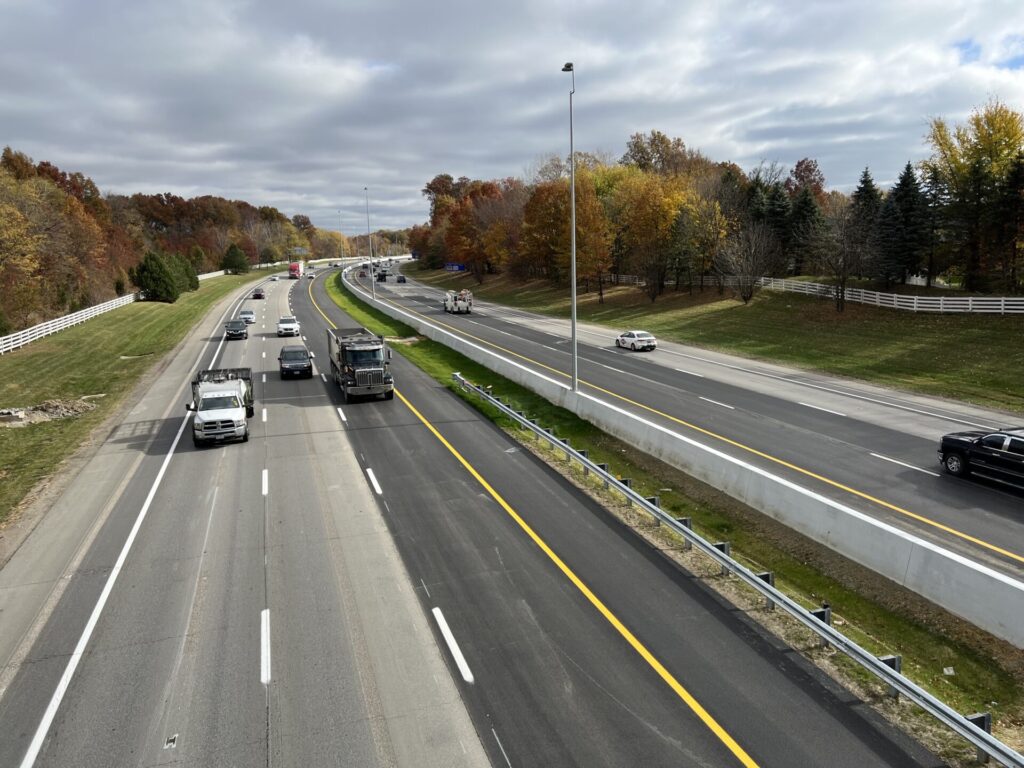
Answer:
(48, 410)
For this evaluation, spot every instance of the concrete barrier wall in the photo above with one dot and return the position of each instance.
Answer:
(984, 597)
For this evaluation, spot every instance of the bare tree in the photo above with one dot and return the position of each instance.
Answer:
(749, 254)
(838, 245)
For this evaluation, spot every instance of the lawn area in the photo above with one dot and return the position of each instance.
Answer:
(974, 358)
(874, 615)
(103, 356)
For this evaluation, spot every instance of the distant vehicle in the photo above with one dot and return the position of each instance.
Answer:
(360, 363)
(400, 279)
(248, 315)
(311, 274)
(273, 278)
(382, 276)
(222, 400)
(996, 455)
(236, 329)
(295, 270)
(259, 294)
(288, 326)
(458, 302)
(635, 340)
(295, 360)
(362, 273)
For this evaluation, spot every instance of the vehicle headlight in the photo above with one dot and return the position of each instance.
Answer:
(240, 423)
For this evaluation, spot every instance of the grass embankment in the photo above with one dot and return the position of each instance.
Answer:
(881, 618)
(975, 358)
(103, 356)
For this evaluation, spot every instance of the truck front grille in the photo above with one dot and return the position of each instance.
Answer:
(218, 426)
(370, 377)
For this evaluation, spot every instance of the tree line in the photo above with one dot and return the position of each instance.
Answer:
(674, 217)
(64, 246)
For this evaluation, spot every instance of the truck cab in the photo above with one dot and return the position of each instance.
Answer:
(458, 302)
(360, 363)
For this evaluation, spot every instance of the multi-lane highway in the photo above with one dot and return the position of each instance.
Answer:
(868, 447)
(378, 583)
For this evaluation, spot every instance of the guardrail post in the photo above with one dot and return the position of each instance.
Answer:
(896, 663)
(628, 482)
(824, 615)
(604, 468)
(984, 721)
(565, 442)
(586, 455)
(654, 500)
(686, 522)
(725, 548)
(768, 577)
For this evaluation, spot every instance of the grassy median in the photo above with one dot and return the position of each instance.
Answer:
(975, 358)
(101, 360)
(987, 674)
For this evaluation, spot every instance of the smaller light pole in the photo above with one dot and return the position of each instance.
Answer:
(341, 231)
(369, 242)
(572, 235)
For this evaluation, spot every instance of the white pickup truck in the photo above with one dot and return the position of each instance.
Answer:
(223, 403)
(458, 302)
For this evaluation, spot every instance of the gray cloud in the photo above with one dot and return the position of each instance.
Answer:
(301, 105)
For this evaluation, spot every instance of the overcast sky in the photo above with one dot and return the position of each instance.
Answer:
(301, 104)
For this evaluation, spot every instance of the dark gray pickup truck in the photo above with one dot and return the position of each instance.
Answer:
(996, 455)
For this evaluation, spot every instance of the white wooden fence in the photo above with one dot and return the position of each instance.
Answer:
(27, 336)
(992, 305)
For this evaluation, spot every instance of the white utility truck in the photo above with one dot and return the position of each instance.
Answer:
(222, 399)
(458, 302)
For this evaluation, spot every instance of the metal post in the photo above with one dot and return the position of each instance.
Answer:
(369, 242)
(572, 235)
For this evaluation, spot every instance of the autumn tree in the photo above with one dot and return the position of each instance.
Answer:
(646, 208)
(837, 245)
(971, 162)
(657, 153)
(544, 245)
(806, 175)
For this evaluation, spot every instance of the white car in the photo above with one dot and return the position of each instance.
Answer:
(248, 315)
(288, 326)
(635, 340)
(273, 278)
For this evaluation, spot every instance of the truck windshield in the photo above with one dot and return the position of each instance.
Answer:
(364, 356)
(216, 402)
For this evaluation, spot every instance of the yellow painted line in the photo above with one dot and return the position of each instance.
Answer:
(768, 457)
(621, 628)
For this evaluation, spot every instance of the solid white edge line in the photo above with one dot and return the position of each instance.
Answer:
(264, 415)
(341, 413)
(265, 646)
(373, 482)
(324, 377)
(76, 656)
(819, 408)
(266, 482)
(449, 638)
(691, 373)
(709, 400)
(908, 466)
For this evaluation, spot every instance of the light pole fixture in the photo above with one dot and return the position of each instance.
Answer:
(572, 233)
(369, 242)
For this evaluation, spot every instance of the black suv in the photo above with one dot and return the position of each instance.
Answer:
(236, 329)
(295, 360)
(997, 455)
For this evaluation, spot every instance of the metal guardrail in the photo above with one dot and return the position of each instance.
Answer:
(984, 742)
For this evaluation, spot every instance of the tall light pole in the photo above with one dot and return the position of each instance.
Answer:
(572, 235)
(341, 231)
(369, 242)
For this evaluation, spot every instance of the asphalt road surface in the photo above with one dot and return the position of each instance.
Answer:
(377, 583)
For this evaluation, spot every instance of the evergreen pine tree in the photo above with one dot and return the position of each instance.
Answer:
(866, 205)
(156, 278)
(802, 228)
(234, 260)
(903, 230)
